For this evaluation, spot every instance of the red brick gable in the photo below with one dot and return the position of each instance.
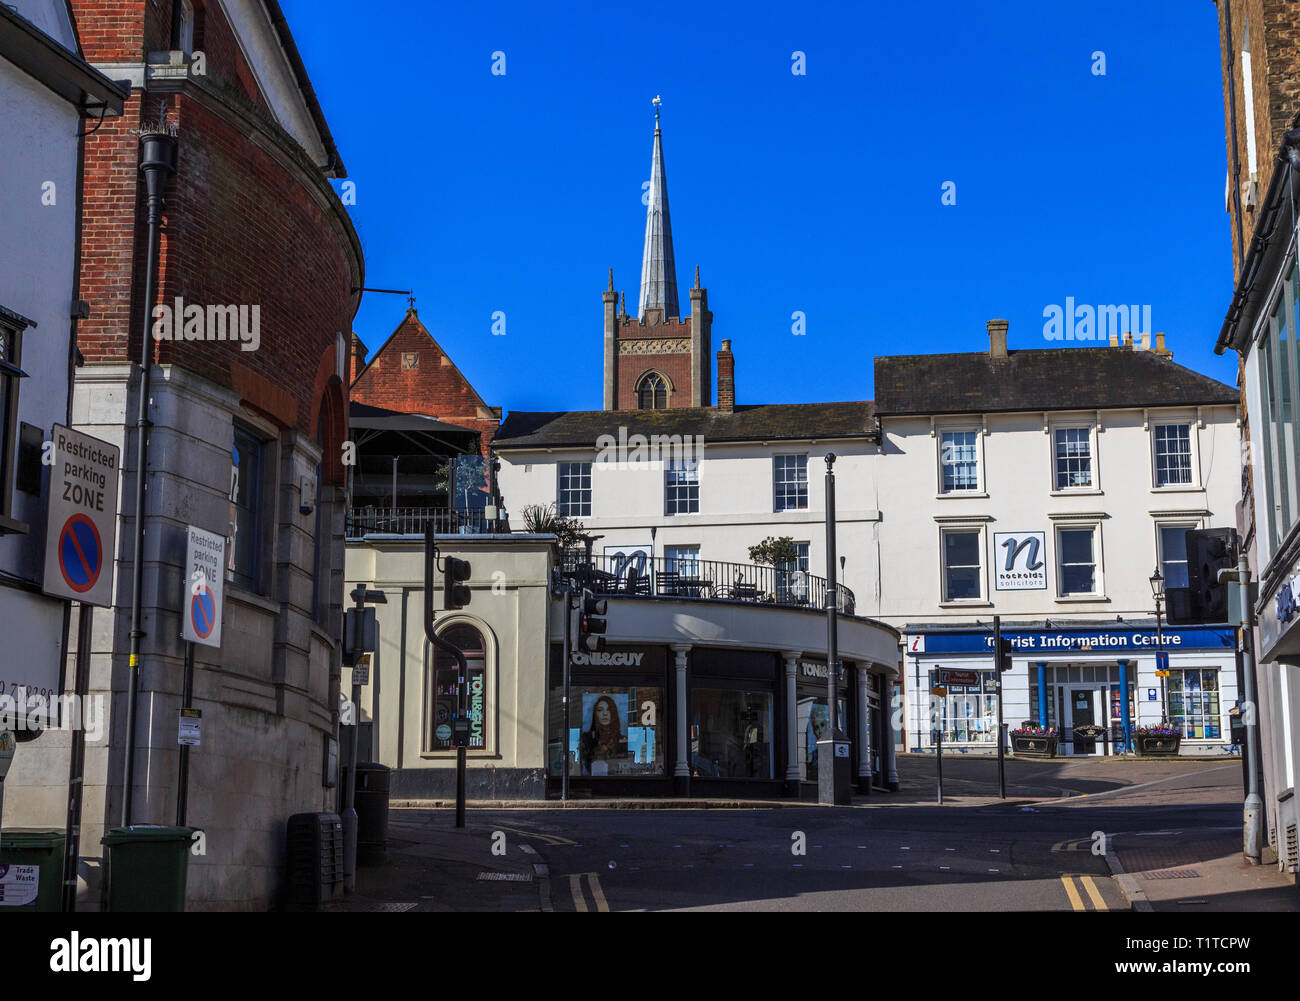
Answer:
(411, 374)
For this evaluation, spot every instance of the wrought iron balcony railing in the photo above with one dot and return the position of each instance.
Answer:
(639, 575)
(412, 521)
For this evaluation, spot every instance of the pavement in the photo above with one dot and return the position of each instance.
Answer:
(1097, 834)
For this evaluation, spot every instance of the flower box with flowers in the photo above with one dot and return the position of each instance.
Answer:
(1157, 741)
(1033, 742)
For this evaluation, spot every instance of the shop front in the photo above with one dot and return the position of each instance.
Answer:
(1094, 686)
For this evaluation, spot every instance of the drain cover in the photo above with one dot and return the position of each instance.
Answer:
(1169, 874)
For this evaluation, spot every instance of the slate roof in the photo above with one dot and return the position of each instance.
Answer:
(772, 422)
(1041, 379)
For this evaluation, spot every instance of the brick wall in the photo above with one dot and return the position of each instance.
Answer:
(239, 228)
(432, 386)
(676, 365)
(1275, 70)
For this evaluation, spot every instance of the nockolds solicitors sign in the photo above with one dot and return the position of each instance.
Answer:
(1018, 560)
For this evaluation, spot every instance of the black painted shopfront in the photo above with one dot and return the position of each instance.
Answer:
(624, 731)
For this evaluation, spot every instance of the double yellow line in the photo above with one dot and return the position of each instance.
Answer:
(1089, 887)
(579, 898)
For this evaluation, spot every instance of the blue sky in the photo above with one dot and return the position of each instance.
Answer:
(819, 193)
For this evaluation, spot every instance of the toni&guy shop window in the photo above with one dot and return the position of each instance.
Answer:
(732, 705)
(617, 721)
(811, 715)
(443, 693)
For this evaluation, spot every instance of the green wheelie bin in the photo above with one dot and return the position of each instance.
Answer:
(147, 867)
(31, 869)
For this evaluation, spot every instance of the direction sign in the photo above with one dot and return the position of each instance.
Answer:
(1162, 660)
(81, 518)
(205, 561)
(953, 676)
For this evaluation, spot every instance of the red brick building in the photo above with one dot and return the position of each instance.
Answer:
(412, 374)
(258, 277)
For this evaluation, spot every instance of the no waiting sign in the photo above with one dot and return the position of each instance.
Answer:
(81, 518)
(205, 560)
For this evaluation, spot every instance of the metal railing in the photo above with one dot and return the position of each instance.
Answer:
(638, 575)
(412, 521)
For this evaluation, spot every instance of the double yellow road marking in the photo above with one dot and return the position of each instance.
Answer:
(1089, 887)
(550, 839)
(597, 894)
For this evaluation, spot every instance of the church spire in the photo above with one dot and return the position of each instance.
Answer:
(658, 270)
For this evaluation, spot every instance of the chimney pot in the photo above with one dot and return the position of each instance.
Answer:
(997, 338)
(1128, 339)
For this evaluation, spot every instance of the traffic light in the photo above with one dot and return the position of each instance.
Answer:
(1004, 654)
(454, 593)
(591, 622)
(1205, 599)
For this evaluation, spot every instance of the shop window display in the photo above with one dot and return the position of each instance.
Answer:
(731, 734)
(1194, 703)
(617, 731)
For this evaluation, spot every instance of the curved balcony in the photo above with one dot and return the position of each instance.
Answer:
(641, 576)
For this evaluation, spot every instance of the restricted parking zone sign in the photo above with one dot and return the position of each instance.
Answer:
(205, 562)
(81, 517)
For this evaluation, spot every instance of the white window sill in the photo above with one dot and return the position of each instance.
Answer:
(961, 493)
(966, 603)
(1077, 492)
(1081, 598)
(1179, 488)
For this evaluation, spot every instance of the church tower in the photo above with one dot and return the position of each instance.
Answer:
(658, 359)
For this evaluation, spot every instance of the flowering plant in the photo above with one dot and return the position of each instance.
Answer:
(1033, 731)
(1157, 731)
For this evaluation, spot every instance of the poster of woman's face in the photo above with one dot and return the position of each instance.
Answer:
(606, 714)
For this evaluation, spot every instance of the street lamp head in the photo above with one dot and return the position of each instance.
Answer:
(1157, 584)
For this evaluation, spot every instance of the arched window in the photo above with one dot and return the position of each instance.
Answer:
(652, 394)
(443, 696)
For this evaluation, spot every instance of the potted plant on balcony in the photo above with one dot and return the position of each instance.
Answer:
(1157, 741)
(1033, 741)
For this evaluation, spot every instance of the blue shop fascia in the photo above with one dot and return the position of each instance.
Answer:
(1067, 676)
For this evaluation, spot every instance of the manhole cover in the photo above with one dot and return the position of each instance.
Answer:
(511, 877)
(394, 906)
(1169, 874)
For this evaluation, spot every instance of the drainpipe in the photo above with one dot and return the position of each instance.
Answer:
(157, 163)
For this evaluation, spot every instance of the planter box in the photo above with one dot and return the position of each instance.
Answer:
(1156, 747)
(1033, 746)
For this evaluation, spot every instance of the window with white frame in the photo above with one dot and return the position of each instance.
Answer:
(1279, 388)
(958, 461)
(11, 333)
(573, 492)
(790, 482)
(1073, 458)
(682, 486)
(1194, 703)
(682, 560)
(792, 576)
(1076, 561)
(963, 570)
(1173, 554)
(968, 713)
(1173, 453)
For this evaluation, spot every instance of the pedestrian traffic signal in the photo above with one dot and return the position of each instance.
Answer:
(591, 622)
(454, 593)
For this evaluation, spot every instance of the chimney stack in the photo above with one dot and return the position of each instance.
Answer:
(726, 379)
(997, 338)
(1161, 350)
(356, 359)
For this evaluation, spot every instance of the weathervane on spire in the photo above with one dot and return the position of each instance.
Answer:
(656, 102)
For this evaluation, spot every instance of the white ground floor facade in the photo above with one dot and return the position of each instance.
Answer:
(1070, 680)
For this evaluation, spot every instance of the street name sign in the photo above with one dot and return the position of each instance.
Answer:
(954, 676)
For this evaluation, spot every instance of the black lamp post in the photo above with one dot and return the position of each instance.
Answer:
(1158, 592)
(157, 163)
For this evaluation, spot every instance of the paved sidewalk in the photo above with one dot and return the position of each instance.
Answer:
(1169, 873)
(433, 866)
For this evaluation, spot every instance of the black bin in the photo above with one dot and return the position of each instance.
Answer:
(372, 813)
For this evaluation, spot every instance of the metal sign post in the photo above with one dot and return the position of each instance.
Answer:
(460, 725)
(997, 681)
(564, 741)
(76, 763)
